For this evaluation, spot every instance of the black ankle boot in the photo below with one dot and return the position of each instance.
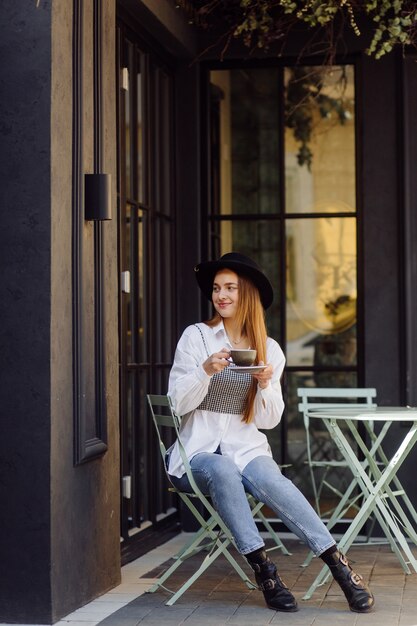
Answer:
(276, 593)
(357, 594)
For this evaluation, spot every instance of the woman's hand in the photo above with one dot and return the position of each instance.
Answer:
(265, 376)
(216, 362)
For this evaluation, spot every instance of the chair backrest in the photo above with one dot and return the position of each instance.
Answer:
(316, 397)
(163, 415)
(319, 397)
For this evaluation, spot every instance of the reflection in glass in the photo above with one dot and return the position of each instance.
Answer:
(320, 139)
(321, 291)
(139, 126)
(128, 296)
(165, 156)
(143, 469)
(313, 145)
(142, 352)
(128, 143)
(128, 460)
(136, 310)
(164, 291)
(245, 133)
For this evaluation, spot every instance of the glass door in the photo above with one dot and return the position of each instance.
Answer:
(146, 263)
(320, 252)
(283, 191)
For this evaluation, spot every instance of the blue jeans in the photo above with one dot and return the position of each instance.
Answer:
(219, 477)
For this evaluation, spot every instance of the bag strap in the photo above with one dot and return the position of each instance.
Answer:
(202, 337)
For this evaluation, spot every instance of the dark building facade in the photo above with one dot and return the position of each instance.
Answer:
(125, 159)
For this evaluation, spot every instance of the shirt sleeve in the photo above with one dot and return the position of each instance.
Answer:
(188, 382)
(269, 403)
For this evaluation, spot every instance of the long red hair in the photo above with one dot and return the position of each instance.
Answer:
(250, 317)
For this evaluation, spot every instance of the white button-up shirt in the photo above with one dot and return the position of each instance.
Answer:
(204, 431)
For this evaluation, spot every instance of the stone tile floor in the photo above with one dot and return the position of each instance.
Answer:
(220, 598)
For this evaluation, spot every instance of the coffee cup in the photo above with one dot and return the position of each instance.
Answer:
(243, 358)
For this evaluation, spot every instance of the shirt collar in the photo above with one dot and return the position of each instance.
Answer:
(219, 330)
(219, 327)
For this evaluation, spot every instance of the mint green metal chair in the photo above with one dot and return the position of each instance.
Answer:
(213, 535)
(321, 469)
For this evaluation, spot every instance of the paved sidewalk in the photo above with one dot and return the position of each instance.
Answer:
(219, 597)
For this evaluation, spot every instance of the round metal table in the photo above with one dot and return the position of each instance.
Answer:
(375, 475)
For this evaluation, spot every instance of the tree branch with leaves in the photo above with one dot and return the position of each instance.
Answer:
(261, 23)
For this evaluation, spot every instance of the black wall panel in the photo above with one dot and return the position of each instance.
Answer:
(25, 248)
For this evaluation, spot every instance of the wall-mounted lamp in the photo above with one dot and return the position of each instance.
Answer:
(97, 196)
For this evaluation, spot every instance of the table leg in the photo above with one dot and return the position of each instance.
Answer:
(398, 493)
(377, 489)
(372, 492)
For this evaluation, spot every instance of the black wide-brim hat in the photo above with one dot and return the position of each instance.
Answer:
(242, 265)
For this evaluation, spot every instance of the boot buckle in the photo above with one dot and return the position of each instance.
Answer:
(267, 585)
(357, 579)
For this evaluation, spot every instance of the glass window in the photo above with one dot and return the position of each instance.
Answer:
(282, 180)
(321, 291)
(320, 140)
(127, 124)
(140, 179)
(142, 270)
(164, 155)
(146, 253)
(246, 135)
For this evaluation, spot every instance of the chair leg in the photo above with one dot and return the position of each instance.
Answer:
(205, 564)
(222, 539)
(213, 534)
(191, 548)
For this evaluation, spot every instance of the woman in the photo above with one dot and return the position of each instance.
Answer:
(222, 410)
